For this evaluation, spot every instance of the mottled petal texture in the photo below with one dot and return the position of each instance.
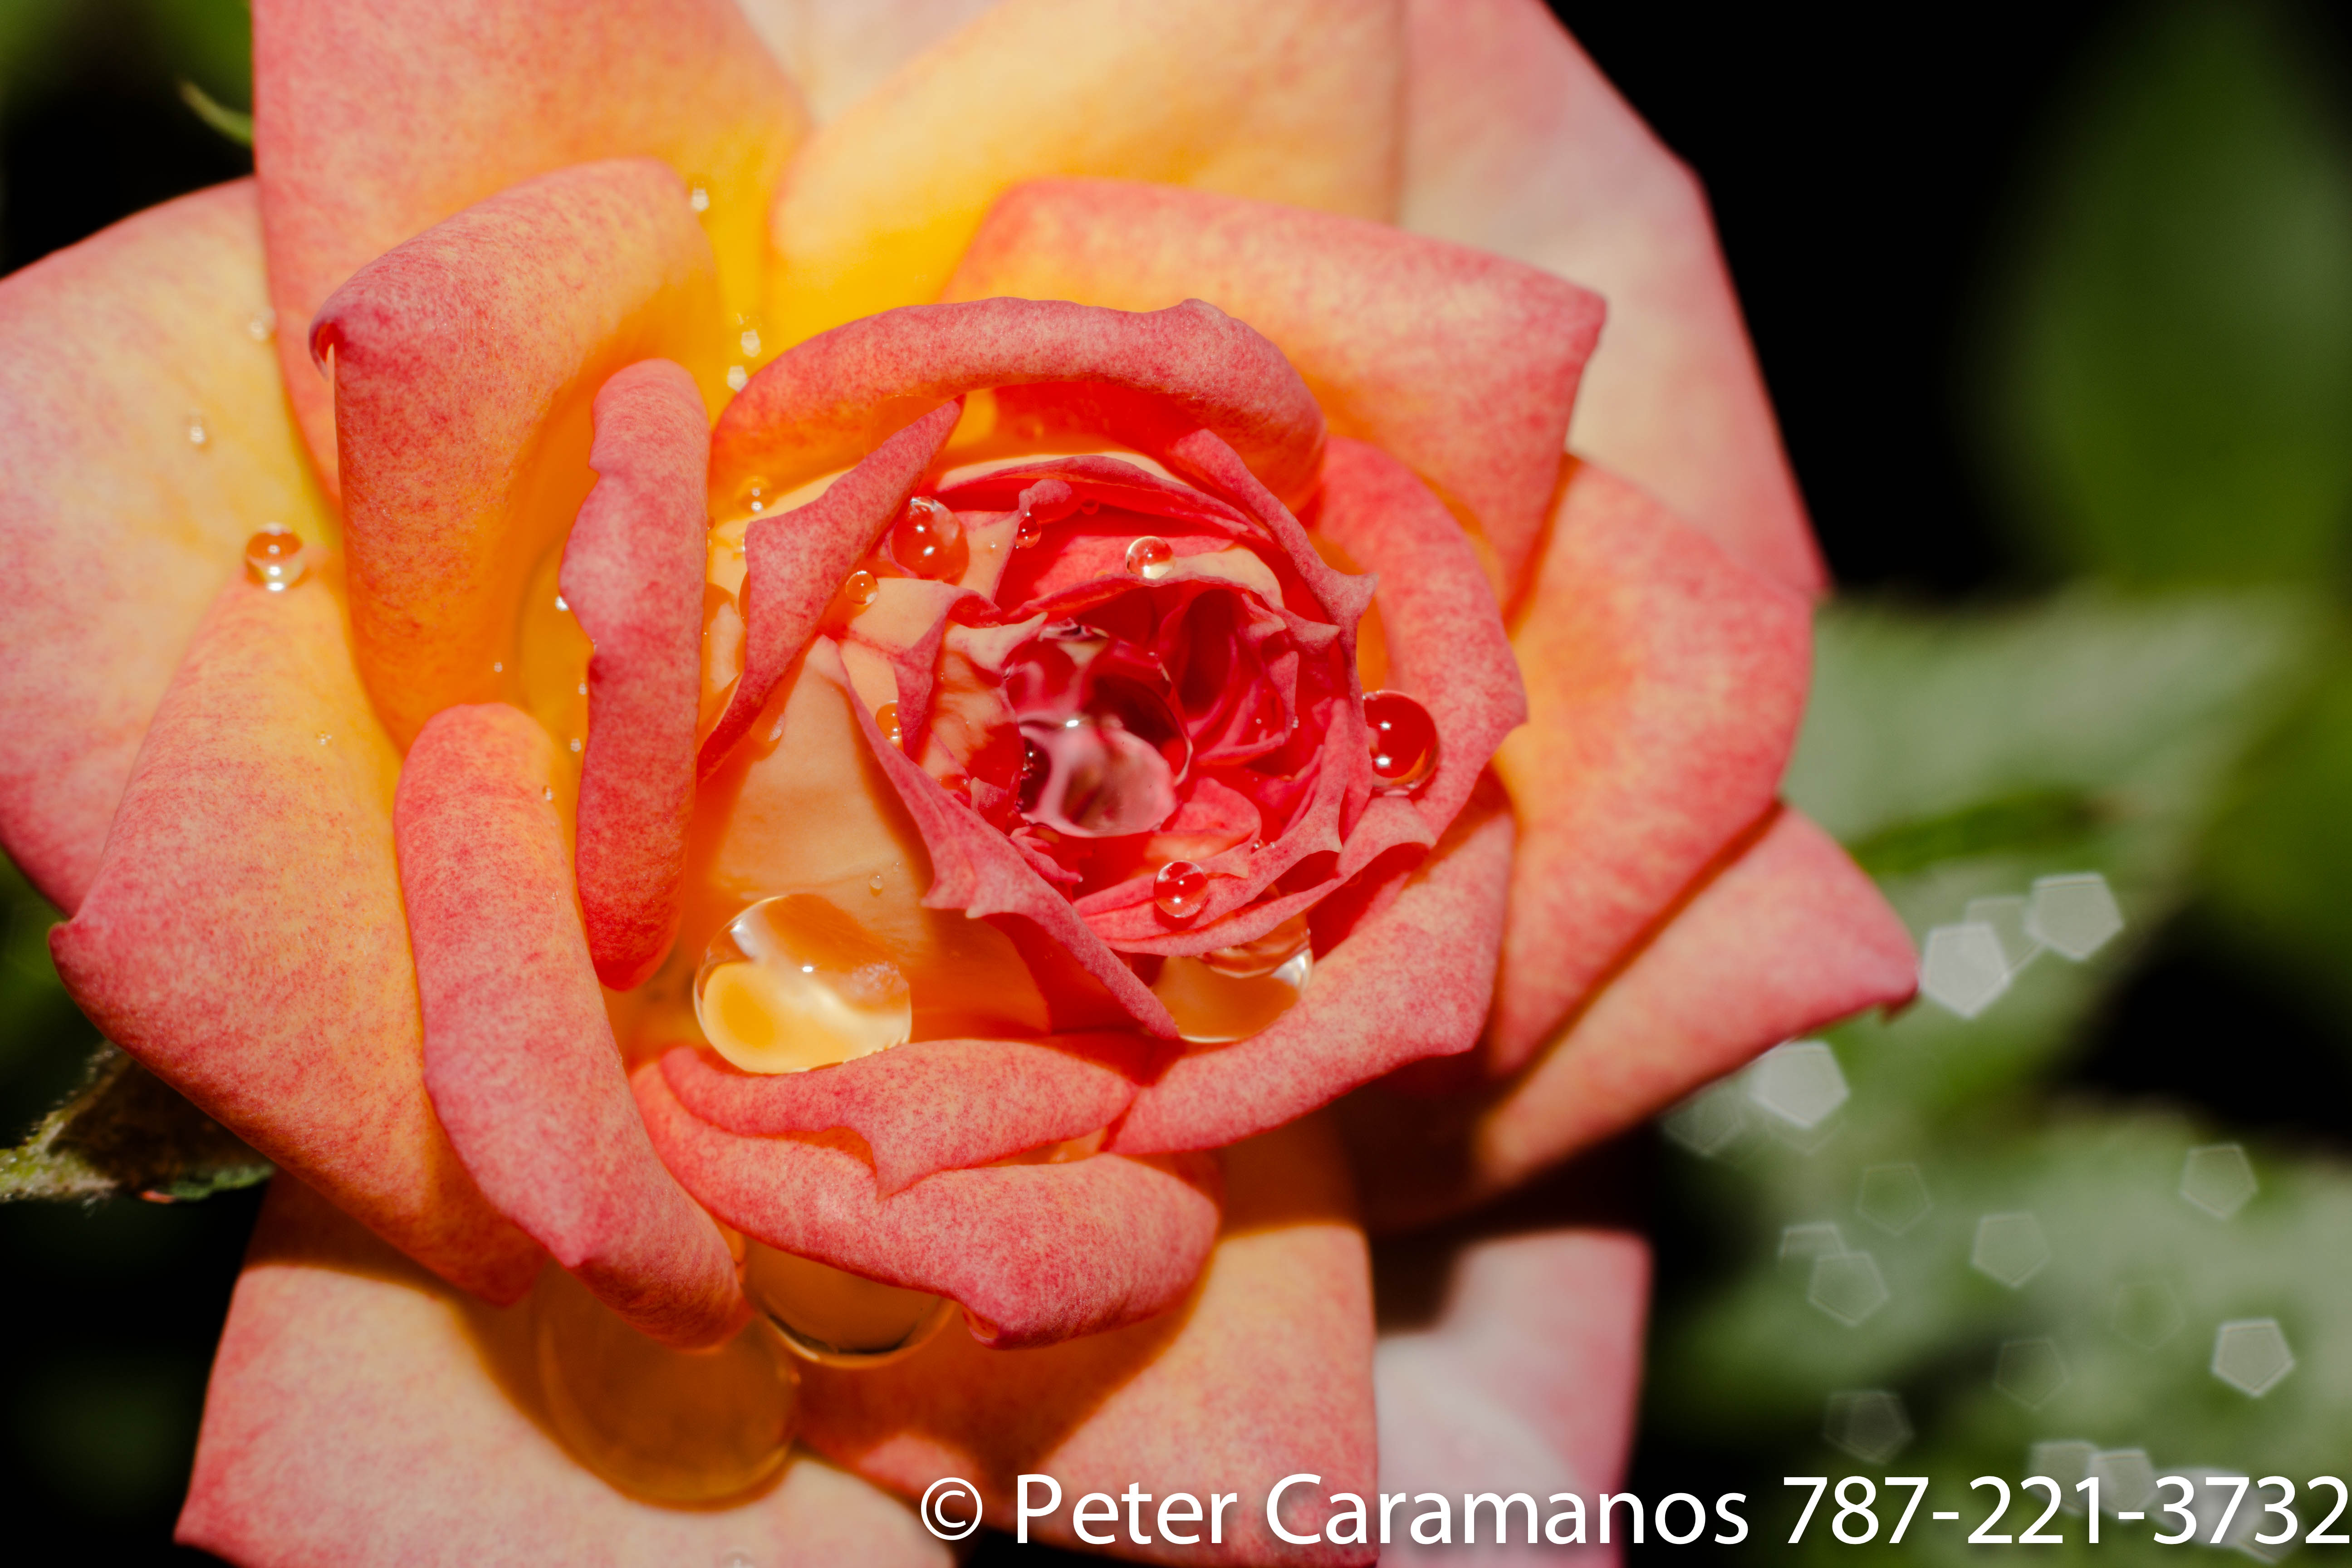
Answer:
(117, 525)
(519, 1056)
(1515, 143)
(245, 938)
(361, 1414)
(633, 574)
(374, 120)
(465, 363)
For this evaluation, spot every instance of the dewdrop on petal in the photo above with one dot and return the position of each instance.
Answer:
(1179, 890)
(793, 983)
(273, 558)
(1403, 739)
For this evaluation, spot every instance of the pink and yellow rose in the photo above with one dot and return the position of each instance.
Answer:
(903, 637)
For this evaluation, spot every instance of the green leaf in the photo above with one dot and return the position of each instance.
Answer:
(235, 124)
(126, 1133)
(2171, 385)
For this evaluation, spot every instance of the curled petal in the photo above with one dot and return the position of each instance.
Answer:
(362, 1413)
(930, 1105)
(1789, 936)
(1290, 100)
(519, 1056)
(1035, 1253)
(1411, 982)
(794, 565)
(1463, 364)
(1444, 635)
(1264, 1371)
(117, 527)
(374, 120)
(1515, 144)
(1666, 682)
(1151, 379)
(456, 482)
(244, 936)
(632, 573)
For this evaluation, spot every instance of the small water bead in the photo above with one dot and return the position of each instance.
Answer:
(750, 342)
(698, 199)
(754, 494)
(1151, 558)
(576, 745)
(262, 326)
(197, 434)
(1028, 531)
(838, 1319)
(928, 540)
(677, 1426)
(885, 719)
(736, 377)
(793, 983)
(583, 689)
(324, 737)
(273, 558)
(497, 667)
(873, 884)
(547, 792)
(1403, 739)
(1179, 890)
(860, 587)
(563, 604)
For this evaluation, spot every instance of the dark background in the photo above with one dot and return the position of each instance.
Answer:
(1871, 186)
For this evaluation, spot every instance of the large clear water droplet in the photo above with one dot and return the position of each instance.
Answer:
(1179, 890)
(676, 1427)
(1223, 996)
(1151, 558)
(1403, 739)
(273, 558)
(835, 1318)
(794, 982)
(929, 540)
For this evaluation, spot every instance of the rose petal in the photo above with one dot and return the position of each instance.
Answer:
(632, 573)
(825, 404)
(1035, 1253)
(362, 1413)
(1788, 937)
(374, 120)
(1524, 1381)
(1291, 100)
(930, 1105)
(1264, 1372)
(837, 51)
(465, 361)
(519, 1056)
(1666, 682)
(793, 564)
(116, 530)
(1460, 362)
(1445, 634)
(1412, 981)
(244, 935)
(1517, 144)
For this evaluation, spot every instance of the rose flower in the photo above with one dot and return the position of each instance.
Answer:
(924, 688)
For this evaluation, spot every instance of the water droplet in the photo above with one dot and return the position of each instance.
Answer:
(860, 587)
(324, 737)
(262, 325)
(1028, 531)
(497, 667)
(583, 689)
(750, 342)
(699, 198)
(547, 792)
(1151, 558)
(563, 604)
(754, 494)
(793, 983)
(885, 719)
(576, 745)
(736, 377)
(929, 540)
(197, 434)
(273, 557)
(1403, 741)
(835, 1318)
(1223, 996)
(676, 1426)
(1266, 954)
(1179, 890)
(873, 884)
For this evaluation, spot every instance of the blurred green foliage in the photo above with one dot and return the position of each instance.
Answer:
(208, 42)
